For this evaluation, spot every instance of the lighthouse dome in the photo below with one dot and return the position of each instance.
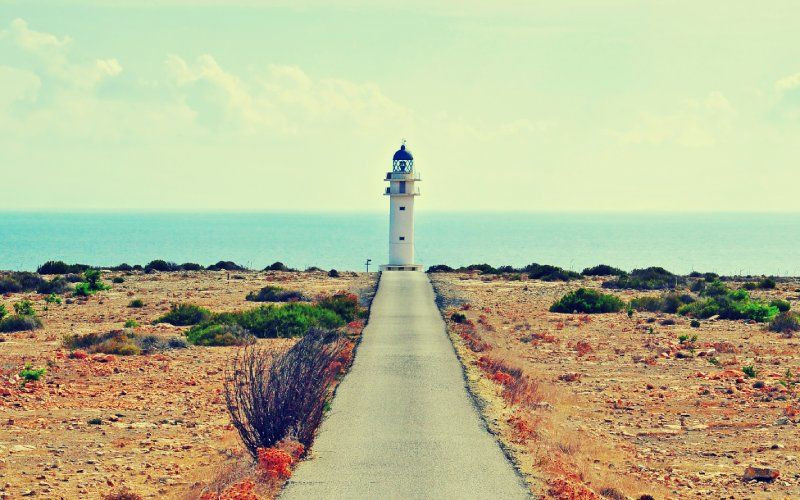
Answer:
(403, 154)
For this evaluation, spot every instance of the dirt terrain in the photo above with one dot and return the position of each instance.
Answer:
(157, 423)
(619, 407)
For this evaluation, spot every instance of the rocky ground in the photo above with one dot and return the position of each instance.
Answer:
(156, 424)
(618, 406)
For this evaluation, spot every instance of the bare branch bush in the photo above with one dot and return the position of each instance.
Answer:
(272, 396)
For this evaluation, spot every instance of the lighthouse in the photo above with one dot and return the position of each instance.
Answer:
(401, 193)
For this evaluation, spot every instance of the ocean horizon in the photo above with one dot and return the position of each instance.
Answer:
(725, 243)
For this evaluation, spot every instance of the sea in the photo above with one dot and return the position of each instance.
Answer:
(725, 243)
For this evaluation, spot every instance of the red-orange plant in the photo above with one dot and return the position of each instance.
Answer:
(275, 463)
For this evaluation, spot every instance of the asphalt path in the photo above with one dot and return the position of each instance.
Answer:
(402, 424)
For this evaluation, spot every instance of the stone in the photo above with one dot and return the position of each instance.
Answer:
(760, 474)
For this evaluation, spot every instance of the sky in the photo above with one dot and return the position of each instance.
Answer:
(602, 105)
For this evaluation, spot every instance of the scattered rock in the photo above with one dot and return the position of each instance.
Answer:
(760, 474)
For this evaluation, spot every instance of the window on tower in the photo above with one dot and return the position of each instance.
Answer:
(402, 208)
(402, 238)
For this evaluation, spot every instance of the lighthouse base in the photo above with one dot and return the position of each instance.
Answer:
(401, 267)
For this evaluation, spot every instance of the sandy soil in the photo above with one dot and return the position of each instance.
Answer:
(163, 427)
(619, 406)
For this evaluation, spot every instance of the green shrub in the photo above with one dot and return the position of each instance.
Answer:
(786, 323)
(226, 265)
(136, 303)
(291, 320)
(749, 285)
(698, 286)
(191, 266)
(15, 282)
(161, 266)
(668, 303)
(602, 270)
(767, 284)
(3, 311)
(705, 276)
(56, 285)
(278, 266)
(728, 304)
(440, 268)
(131, 323)
(782, 305)
(588, 301)
(24, 308)
(549, 273)
(176, 343)
(271, 293)
(343, 304)
(333, 273)
(750, 371)
(651, 278)
(31, 374)
(716, 289)
(185, 315)
(118, 342)
(52, 299)
(694, 323)
(91, 283)
(17, 323)
(647, 303)
(215, 334)
(458, 317)
(59, 267)
(118, 280)
(122, 343)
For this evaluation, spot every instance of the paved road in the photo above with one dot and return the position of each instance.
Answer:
(402, 424)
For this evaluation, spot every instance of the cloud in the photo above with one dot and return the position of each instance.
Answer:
(282, 97)
(36, 41)
(17, 85)
(51, 57)
(786, 83)
(696, 123)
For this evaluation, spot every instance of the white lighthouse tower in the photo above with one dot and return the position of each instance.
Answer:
(401, 193)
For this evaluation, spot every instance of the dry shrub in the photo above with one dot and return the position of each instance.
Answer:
(123, 493)
(274, 396)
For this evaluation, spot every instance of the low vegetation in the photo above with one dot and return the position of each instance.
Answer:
(17, 282)
(136, 303)
(786, 323)
(279, 266)
(587, 301)
(60, 267)
(651, 278)
(549, 273)
(219, 334)
(767, 284)
(184, 315)
(668, 303)
(291, 320)
(91, 283)
(272, 397)
(23, 319)
(270, 321)
(542, 272)
(122, 343)
(602, 270)
(272, 293)
(31, 374)
(718, 300)
(226, 265)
